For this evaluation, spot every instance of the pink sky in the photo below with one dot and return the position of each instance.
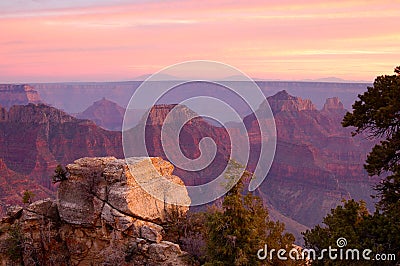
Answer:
(103, 40)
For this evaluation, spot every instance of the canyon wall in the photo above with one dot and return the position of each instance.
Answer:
(35, 138)
(11, 94)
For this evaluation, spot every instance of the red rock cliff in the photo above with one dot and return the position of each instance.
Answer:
(35, 138)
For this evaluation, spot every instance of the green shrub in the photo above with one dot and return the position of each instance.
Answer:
(15, 243)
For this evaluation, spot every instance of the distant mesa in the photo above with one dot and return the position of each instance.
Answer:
(282, 96)
(336, 80)
(105, 113)
(283, 101)
(158, 114)
(12, 94)
(333, 104)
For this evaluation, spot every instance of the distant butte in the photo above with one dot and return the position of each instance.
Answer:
(104, 113)
(333, 104)
(283, 101)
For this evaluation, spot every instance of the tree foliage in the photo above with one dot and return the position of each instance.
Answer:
(377, 113)
(15, 244)
(344, 221)
(189, 232)
(60, 174)
(361, 229)
(27, 197)
(231, 232)
(235, 232)
(176, 220)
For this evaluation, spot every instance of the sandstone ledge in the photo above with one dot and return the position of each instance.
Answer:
(101, 217)
(108, 183)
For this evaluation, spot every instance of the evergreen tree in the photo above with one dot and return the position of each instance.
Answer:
(347, 221)
(235, 232)
(27, 197)
(60, 174)
(376, 114)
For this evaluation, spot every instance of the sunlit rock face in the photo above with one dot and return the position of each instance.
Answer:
(101, 217)
(107, 182)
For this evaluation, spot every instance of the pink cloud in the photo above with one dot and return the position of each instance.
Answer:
(281, 39)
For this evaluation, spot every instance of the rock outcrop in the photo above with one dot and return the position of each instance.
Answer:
(106, 186)
(11, 94)
(101, 217)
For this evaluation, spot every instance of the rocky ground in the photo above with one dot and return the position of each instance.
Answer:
(101, 217)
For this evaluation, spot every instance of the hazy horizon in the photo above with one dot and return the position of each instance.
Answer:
(142, 78)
